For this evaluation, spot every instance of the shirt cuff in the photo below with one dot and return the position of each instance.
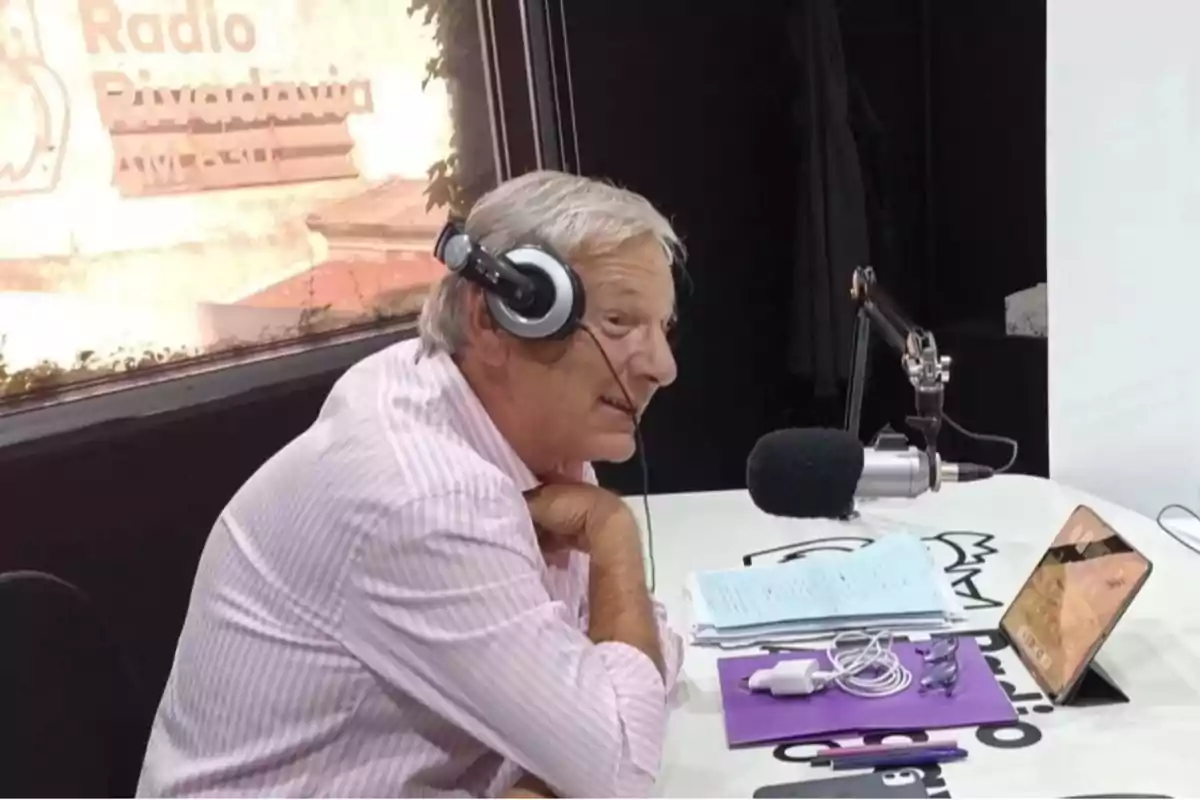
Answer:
(641, 703)
(672, 652)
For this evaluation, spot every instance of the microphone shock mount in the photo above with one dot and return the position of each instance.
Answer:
(926, 369)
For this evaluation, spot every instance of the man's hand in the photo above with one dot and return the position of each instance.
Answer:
(529, 786)
(569, 514)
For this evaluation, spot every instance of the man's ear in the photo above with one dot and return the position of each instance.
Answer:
(487, 338)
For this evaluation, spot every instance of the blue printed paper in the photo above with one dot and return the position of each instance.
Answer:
(892, 577)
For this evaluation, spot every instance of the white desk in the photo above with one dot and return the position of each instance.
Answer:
(989, 536)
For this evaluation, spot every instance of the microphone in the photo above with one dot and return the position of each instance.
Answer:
(817, 472)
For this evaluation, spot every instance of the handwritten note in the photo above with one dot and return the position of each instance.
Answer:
(895, 576)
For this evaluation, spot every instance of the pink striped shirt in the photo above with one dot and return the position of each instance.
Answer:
(372, 616)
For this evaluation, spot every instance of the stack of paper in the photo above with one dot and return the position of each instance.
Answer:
(890, 584)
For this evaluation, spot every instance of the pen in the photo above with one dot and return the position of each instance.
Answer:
(833, 754)
(842, 752)
(912, 759)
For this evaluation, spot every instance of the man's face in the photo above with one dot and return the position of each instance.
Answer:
(569, 391)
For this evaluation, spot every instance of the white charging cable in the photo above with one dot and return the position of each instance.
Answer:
(863, 664)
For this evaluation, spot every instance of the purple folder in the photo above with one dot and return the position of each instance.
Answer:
(759, 718)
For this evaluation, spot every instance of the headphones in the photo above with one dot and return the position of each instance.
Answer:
(531, 293)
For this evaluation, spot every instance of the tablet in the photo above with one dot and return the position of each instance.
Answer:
(1072, 601)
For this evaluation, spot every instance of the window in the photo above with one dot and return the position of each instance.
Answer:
(187, 177)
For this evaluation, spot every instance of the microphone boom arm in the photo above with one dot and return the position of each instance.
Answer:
(927, 371)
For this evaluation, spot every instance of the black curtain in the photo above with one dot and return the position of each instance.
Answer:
(790, 141)
(832, 230)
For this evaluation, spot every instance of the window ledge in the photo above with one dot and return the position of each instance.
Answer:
(175, 388)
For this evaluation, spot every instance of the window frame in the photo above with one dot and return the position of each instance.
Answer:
(516, 79)
(549, 67)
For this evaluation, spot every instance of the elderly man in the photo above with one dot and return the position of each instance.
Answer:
(425, 593)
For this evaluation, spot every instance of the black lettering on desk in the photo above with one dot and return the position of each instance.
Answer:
(1009, 735)
(931, 779)
(1020, 733)
(802, 752)
(994, 665)
(990, 642)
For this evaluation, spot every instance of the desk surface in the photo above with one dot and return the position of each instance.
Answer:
(987, 536)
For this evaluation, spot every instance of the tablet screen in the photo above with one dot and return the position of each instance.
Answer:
(1073, 599)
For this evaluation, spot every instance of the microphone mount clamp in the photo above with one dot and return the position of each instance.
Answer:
(926, 369)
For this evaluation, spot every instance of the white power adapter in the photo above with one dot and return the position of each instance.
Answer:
(790, 678)
(863, 665)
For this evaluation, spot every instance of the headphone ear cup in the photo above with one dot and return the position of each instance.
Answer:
(560, 302)
(548, 287)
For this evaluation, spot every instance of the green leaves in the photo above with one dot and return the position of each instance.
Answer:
(445, 188)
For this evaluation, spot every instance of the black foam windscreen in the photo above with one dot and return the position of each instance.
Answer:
(805, 472)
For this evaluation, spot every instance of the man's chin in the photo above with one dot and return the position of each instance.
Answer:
(613, 448)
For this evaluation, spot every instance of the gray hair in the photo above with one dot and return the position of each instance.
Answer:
(577, 218)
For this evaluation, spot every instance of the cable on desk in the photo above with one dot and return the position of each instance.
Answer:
(1173, 534)
(1012, 444)
(866, 666)
(862, 664)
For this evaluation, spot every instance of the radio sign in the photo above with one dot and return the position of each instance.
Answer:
(198, 29)
(182, 138)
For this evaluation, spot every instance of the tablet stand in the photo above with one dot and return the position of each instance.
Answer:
(1095, 688)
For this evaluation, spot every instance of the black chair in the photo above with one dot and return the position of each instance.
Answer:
(69, 726)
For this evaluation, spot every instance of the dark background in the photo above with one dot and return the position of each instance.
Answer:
(693, 110)
(690, 107)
